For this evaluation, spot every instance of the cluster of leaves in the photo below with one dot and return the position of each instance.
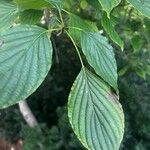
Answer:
(26, 57)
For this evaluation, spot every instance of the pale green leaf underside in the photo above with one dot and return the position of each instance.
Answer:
(108, 5)
(107, 25)
(142, 5)
(25, 59)
(100, 56)
(95, 113)
(8, 14)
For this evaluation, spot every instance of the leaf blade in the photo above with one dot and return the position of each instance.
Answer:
(76, 24)
(30, 16)
(107, 25)
(100, 56)
(108, 5)
(142, 5)
(24, 62)
(56, 3)
(8, 14)
(94, 111)
(31, 4)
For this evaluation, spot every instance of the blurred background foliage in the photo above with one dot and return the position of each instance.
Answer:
(49, 102)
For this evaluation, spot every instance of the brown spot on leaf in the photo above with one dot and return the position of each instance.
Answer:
(114, 98)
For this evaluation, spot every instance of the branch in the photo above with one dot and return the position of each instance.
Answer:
(27, 114)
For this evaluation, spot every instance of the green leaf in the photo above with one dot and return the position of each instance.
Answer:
(95, 113)
(25, 60)
(141, 73)
(109, 28)
(142, 5)
(108, 5)
(30, 16)
(8, 14)
(69, 4)
(95, 4)
(31, 4)
(147, 23)
(123, 70)
(56, 3)
(137, 43)
(76, 24)
(100, 56)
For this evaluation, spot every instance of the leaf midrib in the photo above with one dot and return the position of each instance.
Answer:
(90, 92)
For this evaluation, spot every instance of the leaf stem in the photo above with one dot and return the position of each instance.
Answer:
(61, 18)
(76, 28)
(51, 30)
(83, 67)
(66, 11)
